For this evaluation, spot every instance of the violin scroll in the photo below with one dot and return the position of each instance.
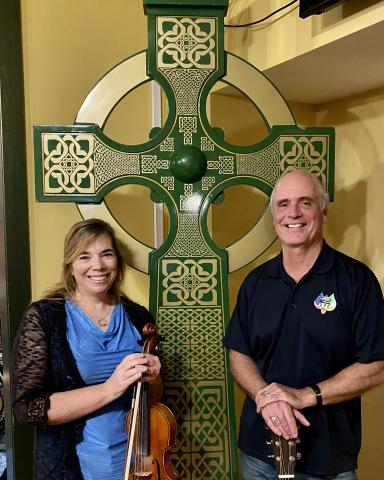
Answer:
(151, 344)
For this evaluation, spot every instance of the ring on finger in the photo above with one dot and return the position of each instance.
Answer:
(274, 418)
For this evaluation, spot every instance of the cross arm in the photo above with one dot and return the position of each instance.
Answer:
(78, 163)
(287, 147)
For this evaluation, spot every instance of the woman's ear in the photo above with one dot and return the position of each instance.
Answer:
(325, 214)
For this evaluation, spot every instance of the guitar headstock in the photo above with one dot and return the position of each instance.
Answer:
(284, 455)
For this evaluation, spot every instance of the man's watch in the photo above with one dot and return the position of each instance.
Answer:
(319, 398)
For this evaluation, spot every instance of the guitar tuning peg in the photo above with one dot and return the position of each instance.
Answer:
(297, 440)
(268, 442)
(298, 455)
(271, 456)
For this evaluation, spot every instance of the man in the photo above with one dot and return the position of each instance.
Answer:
(306, 339)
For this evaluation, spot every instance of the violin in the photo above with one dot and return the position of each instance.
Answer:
(151, 429)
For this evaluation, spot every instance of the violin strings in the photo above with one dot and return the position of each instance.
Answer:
(141, 456)
(131, 449)
(138, 449)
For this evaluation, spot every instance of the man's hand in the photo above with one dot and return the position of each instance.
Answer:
(282, 419)
(297, 398)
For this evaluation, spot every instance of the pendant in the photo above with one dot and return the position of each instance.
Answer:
(102, 321)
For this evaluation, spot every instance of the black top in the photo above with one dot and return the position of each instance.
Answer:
(280, 324)
(43, 364)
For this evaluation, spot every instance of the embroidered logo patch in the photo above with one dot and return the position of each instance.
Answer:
(325, 303)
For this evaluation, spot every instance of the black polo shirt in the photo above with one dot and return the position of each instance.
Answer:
(302, 333)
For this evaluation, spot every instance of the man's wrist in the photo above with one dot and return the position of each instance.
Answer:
(257, 389)
(317, 392)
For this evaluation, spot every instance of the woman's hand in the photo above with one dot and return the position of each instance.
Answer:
(152, 374)
(134, 367)
(73, 404)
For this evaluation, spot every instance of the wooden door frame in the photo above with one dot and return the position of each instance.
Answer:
(14, 235)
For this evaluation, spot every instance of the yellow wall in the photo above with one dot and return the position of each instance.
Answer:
(68, 46)
(355, 225)
(355, 217)
(286, 36)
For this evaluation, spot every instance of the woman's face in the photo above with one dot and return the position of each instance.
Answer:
(95, 268)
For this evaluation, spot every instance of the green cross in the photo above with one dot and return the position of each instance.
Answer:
(187, 164)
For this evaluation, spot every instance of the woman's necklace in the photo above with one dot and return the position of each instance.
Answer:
(101, 320)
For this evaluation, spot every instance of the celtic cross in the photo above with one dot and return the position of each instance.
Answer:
(187, 164)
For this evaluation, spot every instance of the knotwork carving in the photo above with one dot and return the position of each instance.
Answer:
(168, 145)
(207, 145)
(68, 163)
(303, 153)
(186, 42)
(201, 410)
(187, 86)
(193, 349)
(188, 241)
(190, 282)
(188, 126)
(225, 165)
(264, 164)
(189, 202)
(150, 164)
(207, 182)
(168, 182)
(108, 161)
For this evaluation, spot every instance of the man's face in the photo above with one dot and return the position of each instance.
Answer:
(298, 218)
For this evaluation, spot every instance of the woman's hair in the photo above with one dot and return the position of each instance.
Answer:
(79, 237)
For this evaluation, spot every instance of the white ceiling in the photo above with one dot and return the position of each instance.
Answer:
(349, 66)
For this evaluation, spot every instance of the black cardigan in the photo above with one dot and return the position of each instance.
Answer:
(43, 364)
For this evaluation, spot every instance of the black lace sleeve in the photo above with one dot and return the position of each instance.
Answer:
(29, 370)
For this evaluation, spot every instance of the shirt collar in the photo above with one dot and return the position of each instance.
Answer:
(323, 263)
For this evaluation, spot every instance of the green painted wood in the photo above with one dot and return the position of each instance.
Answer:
(201, 4)
(14, 241)
(187, 164)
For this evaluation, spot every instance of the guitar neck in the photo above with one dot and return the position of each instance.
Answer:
(284, 455)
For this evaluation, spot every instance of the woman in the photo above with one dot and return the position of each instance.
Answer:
(76, 359)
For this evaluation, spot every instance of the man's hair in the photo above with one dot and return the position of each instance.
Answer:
(322, 195)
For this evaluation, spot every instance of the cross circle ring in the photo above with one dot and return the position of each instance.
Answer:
(123, 79)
